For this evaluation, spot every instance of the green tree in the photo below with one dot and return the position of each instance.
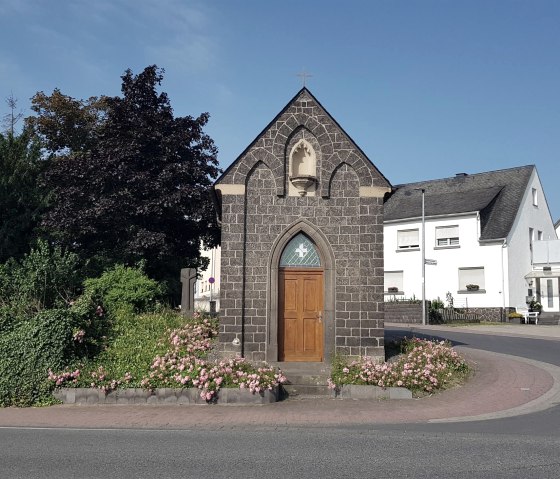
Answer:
(22, 201)
(132, 181)
(66, 126)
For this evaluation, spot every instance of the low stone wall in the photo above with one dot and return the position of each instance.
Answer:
(495, 315)
(401, 312)
(83, 396)
(355, 391)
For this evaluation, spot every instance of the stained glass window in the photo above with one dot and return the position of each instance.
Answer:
(300, 252)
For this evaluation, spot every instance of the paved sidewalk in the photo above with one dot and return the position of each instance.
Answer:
(502, 386)
(505, 329)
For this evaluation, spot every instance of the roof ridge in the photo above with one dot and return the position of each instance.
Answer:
(434, 180)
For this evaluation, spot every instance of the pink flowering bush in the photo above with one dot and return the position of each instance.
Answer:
(424, 366)
(65, 377)
(185, 365)
(99, 379)
(210, 376)
(195, 337)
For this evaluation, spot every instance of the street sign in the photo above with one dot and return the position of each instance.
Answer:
(211, 280)
(431, 262)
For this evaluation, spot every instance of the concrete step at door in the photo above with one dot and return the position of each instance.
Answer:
(305, 379)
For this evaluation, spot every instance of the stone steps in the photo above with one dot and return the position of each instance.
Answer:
(305, 380)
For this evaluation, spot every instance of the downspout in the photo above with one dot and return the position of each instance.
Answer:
(504, 249)
(478, 225)
(215, 196)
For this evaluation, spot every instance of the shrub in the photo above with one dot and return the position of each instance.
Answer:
(424, 366)
(437, 304)
(45, 278)
(127, 288)
(91, 324)
(127, 354)
(534, 305)
(28, 351)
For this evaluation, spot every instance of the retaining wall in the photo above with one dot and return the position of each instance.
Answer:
(161, 396)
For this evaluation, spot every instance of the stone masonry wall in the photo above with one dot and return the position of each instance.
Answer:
(353, 236)
(352, 224)
(401, 312)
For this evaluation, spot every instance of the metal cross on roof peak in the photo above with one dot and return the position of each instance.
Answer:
(304, 76)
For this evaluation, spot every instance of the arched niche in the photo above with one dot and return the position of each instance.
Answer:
(302, 168)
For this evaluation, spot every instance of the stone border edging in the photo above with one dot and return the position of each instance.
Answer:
(81, 396)
(355, 391)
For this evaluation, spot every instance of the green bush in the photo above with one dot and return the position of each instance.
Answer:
(45, 278)
(125, 288)
(436, 304)
(28, 351)
(135, 341)
(91, 324)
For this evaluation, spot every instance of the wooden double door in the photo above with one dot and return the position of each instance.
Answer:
(300, 335)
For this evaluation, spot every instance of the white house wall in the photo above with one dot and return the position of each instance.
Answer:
(205, 291)
(519, 252)
(444, 277)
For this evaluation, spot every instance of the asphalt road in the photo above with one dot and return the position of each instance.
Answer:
(537, 349)
(518, 447)
(274, 453)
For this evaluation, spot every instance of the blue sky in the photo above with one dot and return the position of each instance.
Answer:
(426, 88)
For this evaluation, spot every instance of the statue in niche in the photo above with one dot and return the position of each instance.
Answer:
(303, 164)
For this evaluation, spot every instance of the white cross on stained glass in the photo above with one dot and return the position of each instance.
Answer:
(301, 250)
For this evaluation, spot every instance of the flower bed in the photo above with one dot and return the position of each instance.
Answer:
(184, 366)
(424, 367)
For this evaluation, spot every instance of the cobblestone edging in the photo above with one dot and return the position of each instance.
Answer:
(82, 396)
(354, 391)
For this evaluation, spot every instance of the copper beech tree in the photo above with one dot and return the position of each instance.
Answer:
(130, 181)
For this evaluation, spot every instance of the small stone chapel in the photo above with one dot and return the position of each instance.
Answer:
(301, 213)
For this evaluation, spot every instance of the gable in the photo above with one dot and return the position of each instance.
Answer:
(303, 119)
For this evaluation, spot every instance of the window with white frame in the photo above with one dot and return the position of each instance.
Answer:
(393, 281)
(535, 197)
(471, 279)
(447, 235)
(407, 239)
(539, 235)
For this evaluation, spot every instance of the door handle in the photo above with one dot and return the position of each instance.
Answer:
(320, 316)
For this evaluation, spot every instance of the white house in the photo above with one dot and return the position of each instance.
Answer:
(207, 287)
(480, 232)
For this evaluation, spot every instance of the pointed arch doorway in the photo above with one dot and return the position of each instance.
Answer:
(300, 302)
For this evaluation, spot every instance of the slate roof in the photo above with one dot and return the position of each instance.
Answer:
(496, 195)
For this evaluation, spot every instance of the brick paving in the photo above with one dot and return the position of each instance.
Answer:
(499, 384)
